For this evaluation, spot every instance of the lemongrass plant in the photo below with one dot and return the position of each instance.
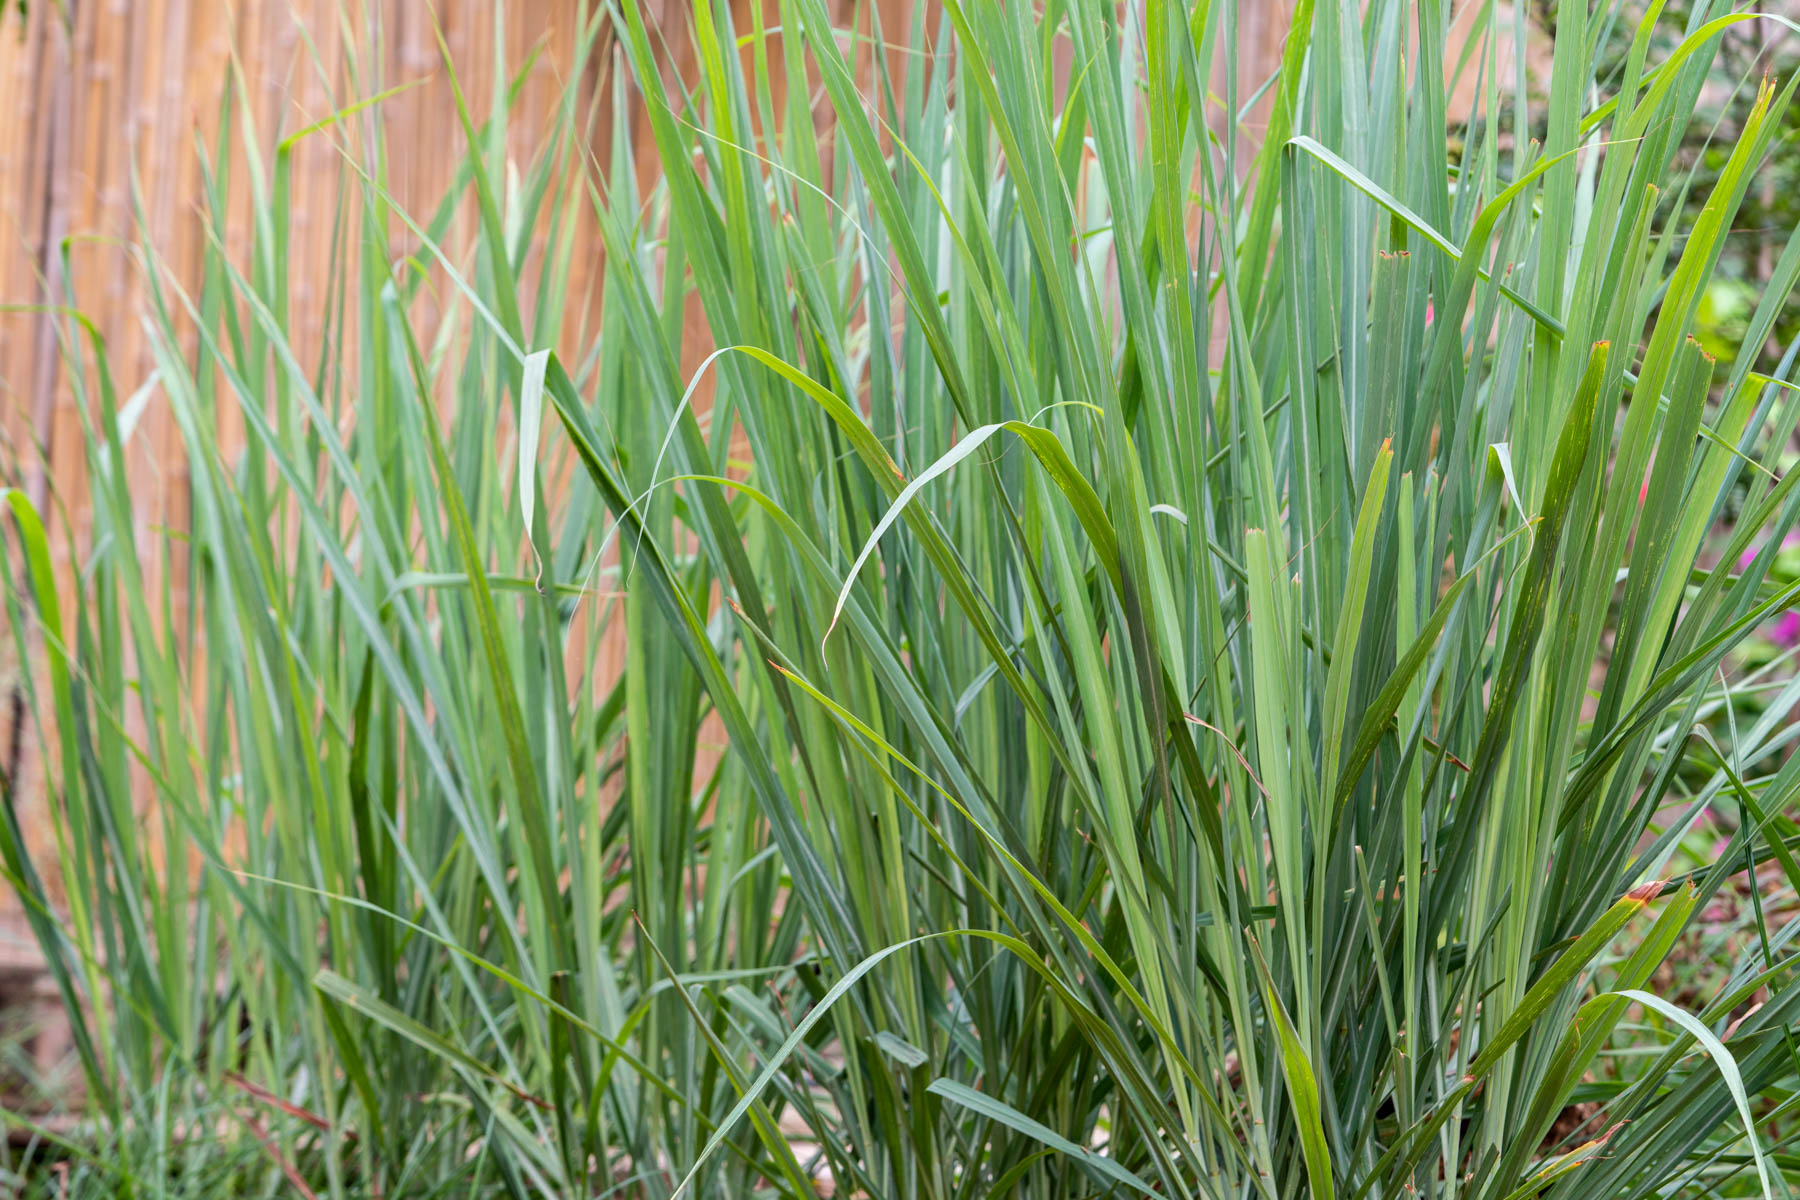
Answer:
(1218, 636)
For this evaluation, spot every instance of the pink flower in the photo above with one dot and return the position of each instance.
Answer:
(1786, 629)
(1749, 556)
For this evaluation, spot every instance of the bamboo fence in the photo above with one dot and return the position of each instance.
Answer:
(105, 108)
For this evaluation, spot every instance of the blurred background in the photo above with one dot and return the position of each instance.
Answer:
(112, 131)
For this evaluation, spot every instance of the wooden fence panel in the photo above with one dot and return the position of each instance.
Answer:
(105, 107)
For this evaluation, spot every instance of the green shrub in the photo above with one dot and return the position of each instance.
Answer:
(1217, 640)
